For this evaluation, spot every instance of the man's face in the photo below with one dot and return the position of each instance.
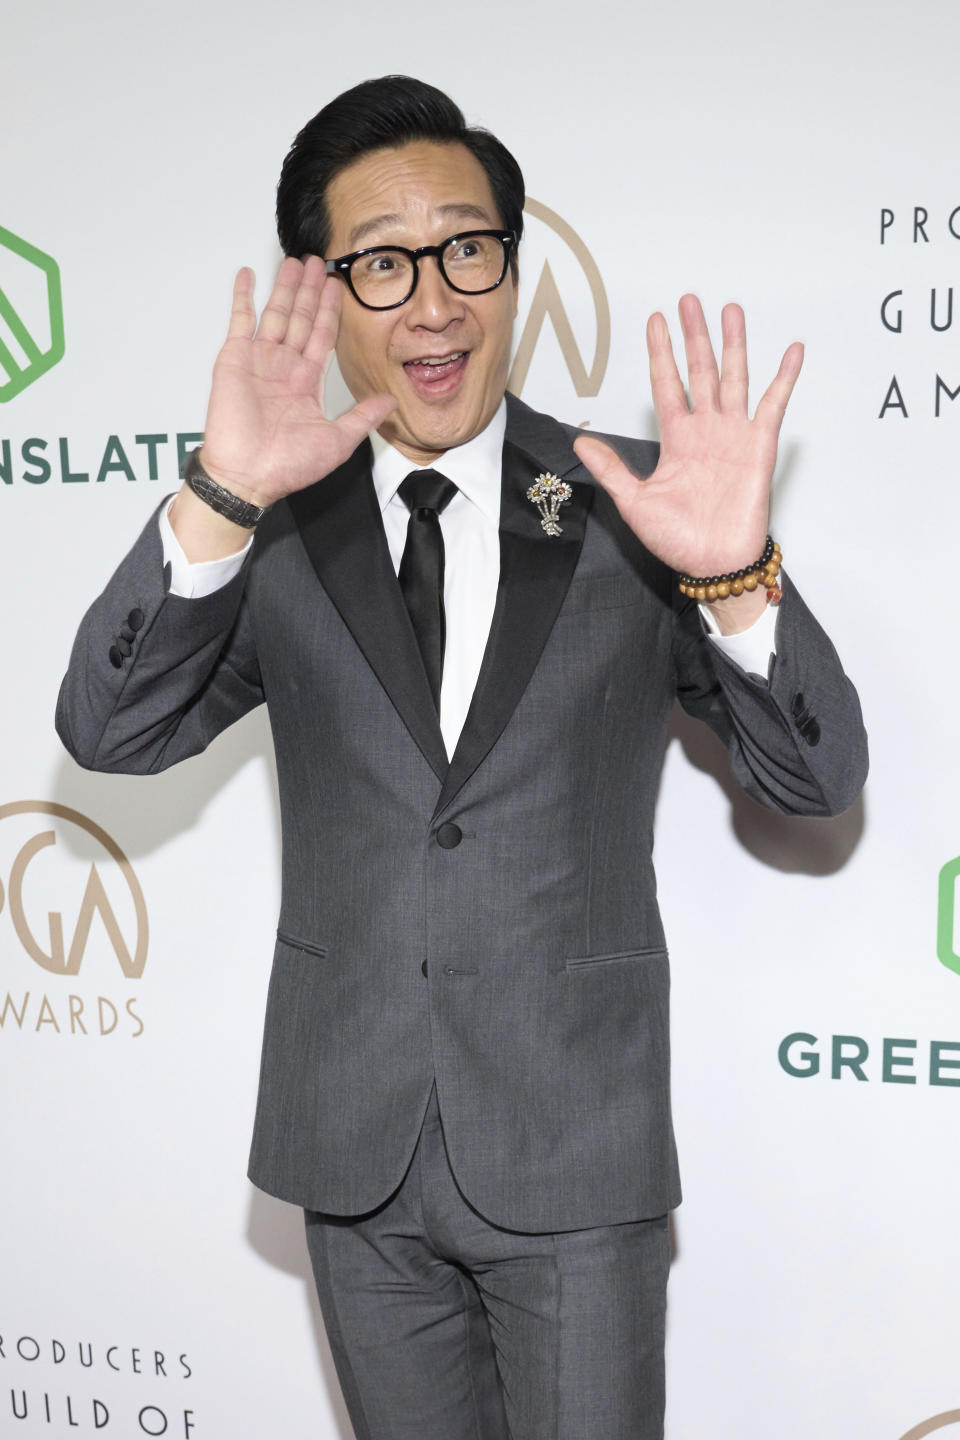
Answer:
(418, 194)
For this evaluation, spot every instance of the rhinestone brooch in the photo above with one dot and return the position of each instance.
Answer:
(548, 492)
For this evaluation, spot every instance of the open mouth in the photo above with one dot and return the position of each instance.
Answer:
(437, 374)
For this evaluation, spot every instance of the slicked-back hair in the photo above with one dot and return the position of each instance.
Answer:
(375, 115)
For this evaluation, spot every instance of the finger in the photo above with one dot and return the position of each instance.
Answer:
(326, 322)
(734, 378)
(608, 470)
(306, 302)
(243, 317)
(669, 397)
(704, 378)
(366, 415)
(773, 405)
(276, 313)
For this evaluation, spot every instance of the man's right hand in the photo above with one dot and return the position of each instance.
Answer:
(266, 433)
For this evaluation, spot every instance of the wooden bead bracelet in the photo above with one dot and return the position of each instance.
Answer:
(762, 572)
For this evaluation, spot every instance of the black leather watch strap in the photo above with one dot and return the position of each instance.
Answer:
(223, 501)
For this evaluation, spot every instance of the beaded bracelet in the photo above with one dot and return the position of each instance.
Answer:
(719, 587)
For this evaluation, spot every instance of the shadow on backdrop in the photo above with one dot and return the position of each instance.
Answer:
(793, 844)
(148, 811)
(275, 1231)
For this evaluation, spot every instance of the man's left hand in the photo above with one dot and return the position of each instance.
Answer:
(705, 509)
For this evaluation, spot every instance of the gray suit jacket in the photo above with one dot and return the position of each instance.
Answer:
(491, 923)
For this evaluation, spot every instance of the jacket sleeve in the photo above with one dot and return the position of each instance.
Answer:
(795, 738)
(153, 677)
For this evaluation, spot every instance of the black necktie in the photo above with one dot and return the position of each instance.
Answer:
(425, 493)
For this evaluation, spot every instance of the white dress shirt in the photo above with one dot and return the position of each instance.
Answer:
(470, 526)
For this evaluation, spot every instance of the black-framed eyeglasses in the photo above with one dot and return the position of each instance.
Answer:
(385, 276)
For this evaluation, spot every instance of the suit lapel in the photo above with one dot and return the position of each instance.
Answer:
(342, 530)
(535, 571)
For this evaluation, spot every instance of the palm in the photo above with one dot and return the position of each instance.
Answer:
(704, 509)
(266, 432)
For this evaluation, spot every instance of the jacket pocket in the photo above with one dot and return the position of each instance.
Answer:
(307, 946)
(616, 957)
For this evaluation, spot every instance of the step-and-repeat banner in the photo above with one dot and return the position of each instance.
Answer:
(797, 158)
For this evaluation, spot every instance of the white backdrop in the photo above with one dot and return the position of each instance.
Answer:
(745, 150)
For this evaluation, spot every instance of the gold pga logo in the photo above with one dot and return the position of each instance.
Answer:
(936, 1422)
(566, 256)
(71, 899)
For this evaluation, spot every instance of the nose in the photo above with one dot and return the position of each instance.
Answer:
(433, 304)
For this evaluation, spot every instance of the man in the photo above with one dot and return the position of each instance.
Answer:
(465, 1076)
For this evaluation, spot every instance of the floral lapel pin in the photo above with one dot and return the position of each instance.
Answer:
(548, 492)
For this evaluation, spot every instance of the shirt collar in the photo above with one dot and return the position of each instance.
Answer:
(474, 467)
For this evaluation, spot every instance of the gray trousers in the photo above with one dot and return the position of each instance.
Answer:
(445, 1327)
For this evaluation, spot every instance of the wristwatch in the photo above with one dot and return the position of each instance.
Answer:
(241, 512)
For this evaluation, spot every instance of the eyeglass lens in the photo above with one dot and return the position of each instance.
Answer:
(470, 263)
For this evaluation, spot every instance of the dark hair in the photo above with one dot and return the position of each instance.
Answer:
(374, 115)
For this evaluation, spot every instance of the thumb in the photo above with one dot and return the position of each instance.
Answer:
(607, 468)
(368, 414)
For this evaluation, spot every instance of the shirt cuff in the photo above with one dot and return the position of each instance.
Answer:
(203, 577)
(752, 649)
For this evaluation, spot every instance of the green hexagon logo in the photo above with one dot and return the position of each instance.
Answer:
(31, 314)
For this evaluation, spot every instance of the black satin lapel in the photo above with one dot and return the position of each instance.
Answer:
(342, 531)
(535, 571)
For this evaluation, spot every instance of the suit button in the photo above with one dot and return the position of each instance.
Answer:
(449, 836)
(116, 659)
(124, 646)
(135, 620)
(126, 633)
(423, 969)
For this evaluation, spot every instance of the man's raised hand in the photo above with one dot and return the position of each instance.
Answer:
(704, 510)
(266, 432)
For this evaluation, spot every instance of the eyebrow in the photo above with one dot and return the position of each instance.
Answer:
(460, 211)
